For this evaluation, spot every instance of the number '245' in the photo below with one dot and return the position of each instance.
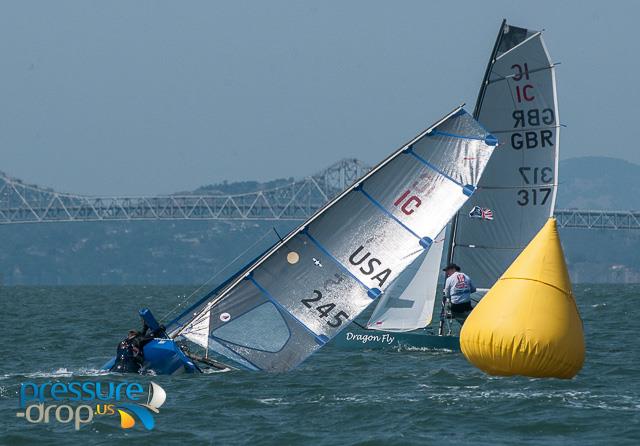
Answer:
(325, 309)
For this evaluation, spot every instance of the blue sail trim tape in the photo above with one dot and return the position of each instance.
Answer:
(319, 339)
(412, 152)
(373, 293)
(377, 204)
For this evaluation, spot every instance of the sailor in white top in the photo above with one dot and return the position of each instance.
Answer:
(458, 289)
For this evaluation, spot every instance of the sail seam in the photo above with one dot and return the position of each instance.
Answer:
(410, 151)
(387, 212)
(278, 305)
(524, 129)
(336, 261)
(453, 135)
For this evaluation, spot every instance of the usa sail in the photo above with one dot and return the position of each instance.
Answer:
(409, 302)
(303, 291)
(517, 193)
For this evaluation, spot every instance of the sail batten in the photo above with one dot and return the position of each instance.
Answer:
(319, 278)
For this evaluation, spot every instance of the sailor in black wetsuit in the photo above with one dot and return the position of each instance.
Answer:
(129, 355)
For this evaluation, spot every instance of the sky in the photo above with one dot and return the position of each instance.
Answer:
(139, 97)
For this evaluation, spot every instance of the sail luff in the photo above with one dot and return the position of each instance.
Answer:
(319, 212)
(554, 85)
(487, 73)
(476, 111)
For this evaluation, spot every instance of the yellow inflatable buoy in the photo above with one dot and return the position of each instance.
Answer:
(528, 323)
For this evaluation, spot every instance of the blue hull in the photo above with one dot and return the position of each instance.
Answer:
(356, 338)
(164, 357)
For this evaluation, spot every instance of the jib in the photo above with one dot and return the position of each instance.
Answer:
(531, 139)
(370, 266)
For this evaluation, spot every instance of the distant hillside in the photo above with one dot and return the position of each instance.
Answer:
(191, 252)
(598, 182)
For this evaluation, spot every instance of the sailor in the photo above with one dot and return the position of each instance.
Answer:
(128, 357)
(129, 354)
(457, 290)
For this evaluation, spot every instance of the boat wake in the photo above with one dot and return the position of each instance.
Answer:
(58, 373)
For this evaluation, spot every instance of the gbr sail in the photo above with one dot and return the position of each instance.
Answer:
(517, 193)
(303, 291)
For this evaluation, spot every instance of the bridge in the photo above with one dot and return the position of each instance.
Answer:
(27, 203)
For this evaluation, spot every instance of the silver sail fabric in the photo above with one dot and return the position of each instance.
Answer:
(307, 288)
(517, 192)
(408, 304)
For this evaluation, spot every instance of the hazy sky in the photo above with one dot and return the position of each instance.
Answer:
(138, 97)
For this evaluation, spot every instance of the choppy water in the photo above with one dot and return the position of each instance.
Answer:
(336, 397)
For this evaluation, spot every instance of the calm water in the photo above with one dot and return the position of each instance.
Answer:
(371, 398)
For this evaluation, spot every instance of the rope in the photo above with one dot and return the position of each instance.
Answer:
(180, 304)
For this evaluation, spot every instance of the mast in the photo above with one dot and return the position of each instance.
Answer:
(476, 113)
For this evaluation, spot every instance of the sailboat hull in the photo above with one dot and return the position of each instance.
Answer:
(164, 357)
(357, 338)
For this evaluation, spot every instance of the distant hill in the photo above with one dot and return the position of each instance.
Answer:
(178, 252)
(598, 182)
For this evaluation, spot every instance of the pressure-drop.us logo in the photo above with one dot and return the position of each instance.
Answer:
(79, 403)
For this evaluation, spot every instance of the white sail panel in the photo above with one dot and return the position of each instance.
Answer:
(517, 191)
(325, 273)
(408, 304)
(198, 331)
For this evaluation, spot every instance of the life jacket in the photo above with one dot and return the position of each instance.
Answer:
(127, 359)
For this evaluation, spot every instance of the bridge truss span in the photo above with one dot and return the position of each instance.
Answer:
(25, 203)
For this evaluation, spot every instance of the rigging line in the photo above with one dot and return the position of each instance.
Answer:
(276, 231)
(180, 304)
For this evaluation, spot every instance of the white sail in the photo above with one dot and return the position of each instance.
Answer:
(198, 331)
(307, 288)
(516, 195)
(408, 304)
(157, 397)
